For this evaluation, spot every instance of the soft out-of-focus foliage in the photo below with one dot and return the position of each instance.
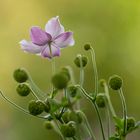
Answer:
(112, 27)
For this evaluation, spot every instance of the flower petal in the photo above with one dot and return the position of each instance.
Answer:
(46, 52)
(29, 47)
(64, 40)
(53, 27)
(38, 36)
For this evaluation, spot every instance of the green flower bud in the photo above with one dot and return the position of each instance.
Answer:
(87, 47)
(23, 90)
(60, 80)
(20, 75)
(75, 117)
(48, 125)
(68, 130)
(65, 70)
(72, 90)
(80, 60)
(100, 100)
(130, 123)
(115, 82)
(36, 107)
(47, 106)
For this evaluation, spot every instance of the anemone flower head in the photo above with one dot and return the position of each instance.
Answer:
(49, 42)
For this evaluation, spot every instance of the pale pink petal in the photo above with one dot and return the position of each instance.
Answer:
(46, 52)
(39, 37)
(64, 40)
(29, 47)
(54, 27)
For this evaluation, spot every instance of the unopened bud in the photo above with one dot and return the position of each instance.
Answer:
(115, 82)
(36, 107)
(80, 61)
(23, 90)
(20, 75)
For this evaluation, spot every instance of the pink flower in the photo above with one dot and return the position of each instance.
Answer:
(49, 42)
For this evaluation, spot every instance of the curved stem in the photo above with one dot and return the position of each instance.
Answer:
(88, 126)
(108, 121)
(81, 72)
(34, 87)
(17, 106)
(96, 108)
(109, 100)
(100, 120)
(124, 110)
(93, 58)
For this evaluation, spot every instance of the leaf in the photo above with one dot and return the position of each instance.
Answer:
(54, 105)
(119, 122)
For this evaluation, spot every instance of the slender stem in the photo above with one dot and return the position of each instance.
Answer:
(71, 75)
(108, 121)
(33, 93)
(85, 93)
(93, 58)
(109, 100)
(96, 108)
(124, 110)
(81, 72)
(88, 126)
(19, 107)
(53, 65)
(34, 87)
(53, 72)
(100, 120)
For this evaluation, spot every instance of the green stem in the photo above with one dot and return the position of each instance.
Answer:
(100, 120)
(124, 110)
(93, 58)
(88, 126)
(17, 106)
(53, 72)
(109, 100)
(81, 72)
(91, 99)
(108, 121)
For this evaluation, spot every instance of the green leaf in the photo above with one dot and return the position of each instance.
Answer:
(54, 105)
(119, 122)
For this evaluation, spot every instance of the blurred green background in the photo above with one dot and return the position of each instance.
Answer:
(112, 27)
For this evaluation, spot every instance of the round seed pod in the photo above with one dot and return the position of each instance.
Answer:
(115, 82)
(87, 47)
(100, 100)
(23, 90)
(60, 80)
(48, 125)
(130, 123)
(80, 60)
(20, 75)
(72, 90)
(65, 70)
(36, 107)
(68, 130)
